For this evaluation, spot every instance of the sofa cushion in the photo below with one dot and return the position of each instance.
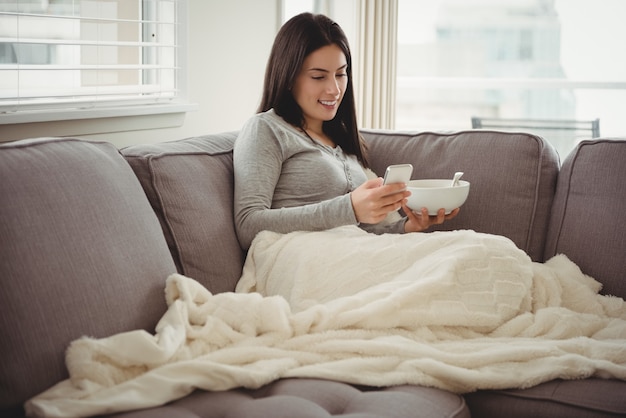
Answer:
(312, 398)
(589, 398)
(190, 186)
(512, 175)
(589, 212)
(80, 245)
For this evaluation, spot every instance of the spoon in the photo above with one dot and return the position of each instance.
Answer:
(455, 180)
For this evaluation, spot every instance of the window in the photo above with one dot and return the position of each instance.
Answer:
(514, 59)
(115, 57)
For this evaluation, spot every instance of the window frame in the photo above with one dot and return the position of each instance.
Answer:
(12, 114)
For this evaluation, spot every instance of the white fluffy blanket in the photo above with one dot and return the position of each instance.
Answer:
(455, 310)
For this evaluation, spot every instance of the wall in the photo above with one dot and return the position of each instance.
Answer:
(229, 42)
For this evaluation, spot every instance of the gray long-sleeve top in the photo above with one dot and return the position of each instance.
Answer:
(285, 181)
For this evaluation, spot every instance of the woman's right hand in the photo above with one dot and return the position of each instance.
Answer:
(372, 200)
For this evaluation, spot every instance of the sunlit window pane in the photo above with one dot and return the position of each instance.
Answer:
(526, 59)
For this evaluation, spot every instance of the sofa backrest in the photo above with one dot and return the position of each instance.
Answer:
(512, 177)
(588, 222)
(82, 255)
(513, 180)
(189, 183)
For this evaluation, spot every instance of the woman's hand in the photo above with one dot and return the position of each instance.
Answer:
(419, 221)
(372, 200)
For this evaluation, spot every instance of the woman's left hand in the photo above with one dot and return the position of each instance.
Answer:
(420, 221)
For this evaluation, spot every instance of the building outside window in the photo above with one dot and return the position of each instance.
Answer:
(514, 59)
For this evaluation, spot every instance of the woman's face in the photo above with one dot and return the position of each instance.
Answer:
(321, 84)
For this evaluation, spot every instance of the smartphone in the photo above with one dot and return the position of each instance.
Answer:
(398, 173)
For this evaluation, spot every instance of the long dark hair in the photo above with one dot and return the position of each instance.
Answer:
(297, 38)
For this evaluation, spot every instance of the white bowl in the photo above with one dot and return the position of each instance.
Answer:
(434, 194)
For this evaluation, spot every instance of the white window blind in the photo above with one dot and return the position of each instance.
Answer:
(85, 54)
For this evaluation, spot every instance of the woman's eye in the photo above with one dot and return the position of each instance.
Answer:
(318, 77)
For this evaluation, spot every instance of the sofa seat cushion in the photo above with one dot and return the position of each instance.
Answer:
(190, 186)
(312, 398)
(512, 177)
(589, 398)
(589, 212)
(82, 254)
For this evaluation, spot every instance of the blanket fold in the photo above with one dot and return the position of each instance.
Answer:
(458, 310)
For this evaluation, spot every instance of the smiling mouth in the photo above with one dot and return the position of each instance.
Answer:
(328, 102)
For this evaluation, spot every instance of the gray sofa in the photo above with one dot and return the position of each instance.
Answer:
(86, 229)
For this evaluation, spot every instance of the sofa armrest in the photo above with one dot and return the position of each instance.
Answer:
(589, 212)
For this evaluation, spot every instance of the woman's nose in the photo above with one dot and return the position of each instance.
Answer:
(333, 87)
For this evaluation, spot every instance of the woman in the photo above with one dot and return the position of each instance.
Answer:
(299, 163)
